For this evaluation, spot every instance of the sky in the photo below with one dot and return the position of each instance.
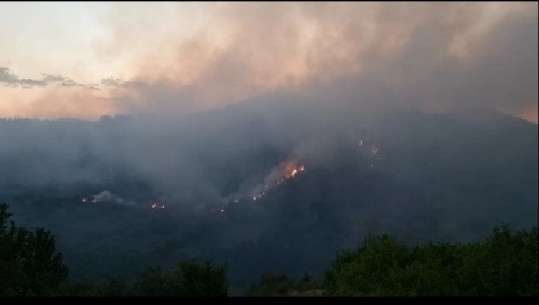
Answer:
(84, 59)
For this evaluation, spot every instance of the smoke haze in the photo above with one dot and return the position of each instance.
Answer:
(265, 135)
(172, 58)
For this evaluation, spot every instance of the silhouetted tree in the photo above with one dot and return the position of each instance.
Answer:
(272, 285)
(505, 264)
(113, 286)
(29, 264)
(153, 281)
(201, 278)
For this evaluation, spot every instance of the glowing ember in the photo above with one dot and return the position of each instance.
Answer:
(291, 170)
(287, 171)
(93, 200)
(259, 195)
(156, 205)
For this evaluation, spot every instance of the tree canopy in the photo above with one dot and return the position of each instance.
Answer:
(504, 264)
(29, 263)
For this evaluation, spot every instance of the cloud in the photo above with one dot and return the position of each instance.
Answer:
(439, 56)
(7, 77)
(114, 82)
(53, 78)
(10, 79)
(432, 56)
(29, 83)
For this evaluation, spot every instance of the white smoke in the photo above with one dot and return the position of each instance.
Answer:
(108, 197)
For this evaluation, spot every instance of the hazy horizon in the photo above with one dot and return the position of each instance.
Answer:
(268, 136)
(85, 60)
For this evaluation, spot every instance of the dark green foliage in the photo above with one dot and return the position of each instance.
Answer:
(280, 285)
(108, 286)
(70, 289)
(113, 286)
(153, 281)
(29, 264)
(272, 285)
(191, 278)
(307, 284)
(505, 264)
(379, 256)
(201, 278)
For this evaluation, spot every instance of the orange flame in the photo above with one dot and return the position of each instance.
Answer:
(291, 170)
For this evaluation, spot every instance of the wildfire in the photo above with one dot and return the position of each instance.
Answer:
(283, 173)
(156, 205)
(258, 196)
(292, 170)
(371, 150)
(93, 200)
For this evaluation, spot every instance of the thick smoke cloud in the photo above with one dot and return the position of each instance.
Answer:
(8, 78)
(170, 58)
(328, 86)
(108, 198)
(433, 56)
(421, 177)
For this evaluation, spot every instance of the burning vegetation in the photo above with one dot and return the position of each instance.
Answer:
(157, 205)
(287, 171)
(283, 173)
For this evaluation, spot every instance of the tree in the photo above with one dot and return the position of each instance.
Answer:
(152, 281)
(272, 285)
(366, 271)
(504, 264)
(29, 264)
(201, 278)
(112, 286)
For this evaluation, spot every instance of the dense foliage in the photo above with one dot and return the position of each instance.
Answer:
(192, 278)
(504, 264)
(29, 264)
(272, 284)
